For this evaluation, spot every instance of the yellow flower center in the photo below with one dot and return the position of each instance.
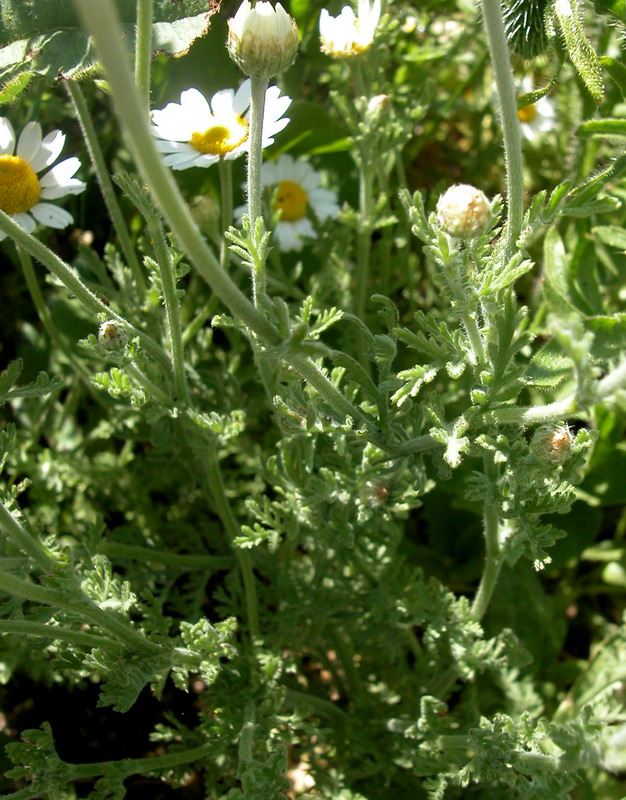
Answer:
(19, 185)
(292, 200)
(528, 113)
(220, 139)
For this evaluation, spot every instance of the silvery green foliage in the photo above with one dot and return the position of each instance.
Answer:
(289, 531)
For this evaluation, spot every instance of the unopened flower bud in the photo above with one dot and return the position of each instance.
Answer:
(262, 40)
(552, 443)
(377, 104)
(112, 336)
(463, 211)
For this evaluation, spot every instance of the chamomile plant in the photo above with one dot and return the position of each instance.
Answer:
(313, 406)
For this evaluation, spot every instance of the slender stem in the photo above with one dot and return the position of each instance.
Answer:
(106, 187)
(101, 21)
(172, 307)
(59, 633)
(226, 191)
(498, 49)
(80, 604)
(493, 551)
(184, 561)
(189, 334)
(223, 508)
(24, 541)
(258, 88)
(143, 380)
(143, 49)
(46, 317)
(69, 278)
(246, 737)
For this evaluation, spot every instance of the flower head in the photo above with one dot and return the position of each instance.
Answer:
(348, 35)
(22, 192)
(262, 40)
(463, 211)
(196, 133)
(552, 444)
(536, 118)
(297, 191)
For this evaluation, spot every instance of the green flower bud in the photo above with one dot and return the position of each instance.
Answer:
(262, 40)
(463, 211)
(112, 336)
(552, 444)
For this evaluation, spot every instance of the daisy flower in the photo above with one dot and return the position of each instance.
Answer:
(536, 118)
(349, 34)
(297, 192)
(21, 190)
(197, 133)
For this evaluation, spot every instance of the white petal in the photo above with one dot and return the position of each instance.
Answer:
(62, 174)
(52, 216)
(25, 221)
(29, 142)
(270, 130)
(7, 136)
(275, 105)
(287, 239)
(222, 104)
(242, 98)
(196, 109)
(51, 146)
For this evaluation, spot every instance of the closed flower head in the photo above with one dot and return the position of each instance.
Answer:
(262, 40)
(348, 34)
(23, 194)
(463, 211)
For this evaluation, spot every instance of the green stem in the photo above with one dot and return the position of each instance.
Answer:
(172, 307)
(151, 387)
(69, 278)
(246, 737)
(493, 551)
(226, 191)
(124, 767)
(46, 317)
(454, 278)
(143, 50)
(183, 561)
(81, 605)
(59, 633)
(28, 544)
(223, 508)
(498, 49)
(106, 186)
(318, 705)
(101, 21)
(258, 88)
(566, 408)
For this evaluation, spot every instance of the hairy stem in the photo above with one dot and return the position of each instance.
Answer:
(106, 187)
(258, 88)
(511, 131)
(23, 540)
(493, 551)
(172, 307)
(143, 49)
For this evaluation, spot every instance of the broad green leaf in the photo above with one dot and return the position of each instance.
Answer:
(579, 48)
(47, 38)
(609, 334)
